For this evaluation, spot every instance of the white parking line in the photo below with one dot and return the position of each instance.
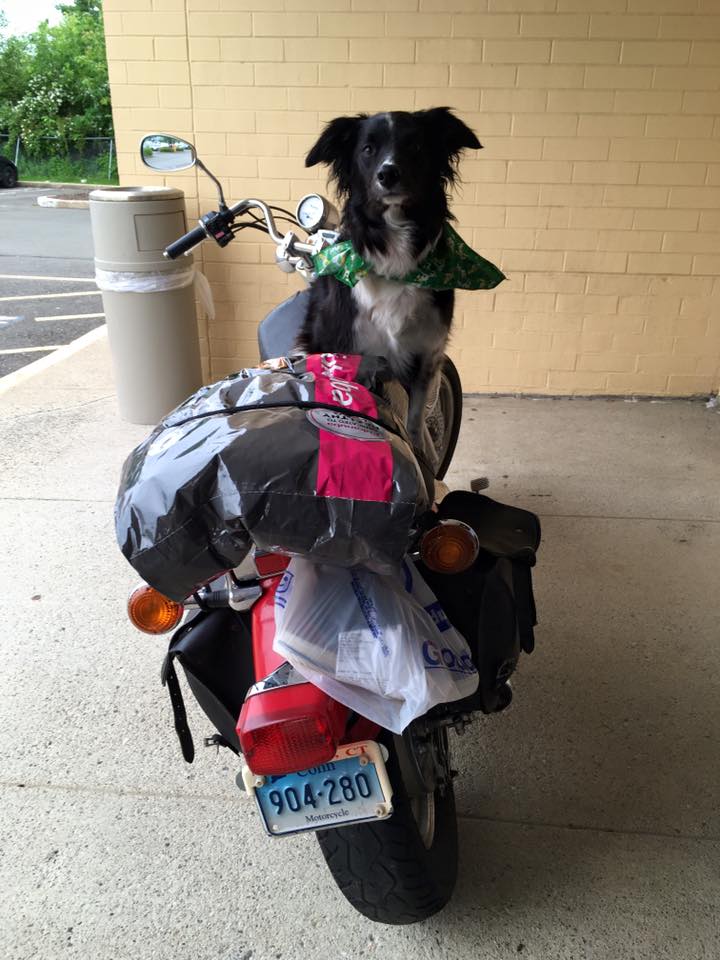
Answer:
(29, 349)
(70, 316)
(52, 296)
(11, 380)
(27, 276)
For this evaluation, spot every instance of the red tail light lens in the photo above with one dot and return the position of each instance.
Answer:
(289, 746)
(290, 729)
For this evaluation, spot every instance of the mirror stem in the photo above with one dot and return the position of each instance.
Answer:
(221, 195)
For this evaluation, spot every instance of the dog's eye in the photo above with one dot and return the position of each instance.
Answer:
(368, 149)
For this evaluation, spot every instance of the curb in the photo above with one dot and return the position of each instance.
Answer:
(59, 183)
(47, 201)
(31, 370)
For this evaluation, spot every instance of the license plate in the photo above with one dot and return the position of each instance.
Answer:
(353, 787)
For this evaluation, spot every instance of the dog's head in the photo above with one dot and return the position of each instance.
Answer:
(393, 159)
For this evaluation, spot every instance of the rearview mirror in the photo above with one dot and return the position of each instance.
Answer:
(162, 152)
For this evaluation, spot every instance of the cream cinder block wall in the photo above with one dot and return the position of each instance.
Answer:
(598, 191)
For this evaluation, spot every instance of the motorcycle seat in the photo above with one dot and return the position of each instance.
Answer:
(279, 330)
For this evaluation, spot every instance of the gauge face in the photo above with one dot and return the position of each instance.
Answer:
(311, 211)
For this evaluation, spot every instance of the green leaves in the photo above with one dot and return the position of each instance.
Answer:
(54, 82)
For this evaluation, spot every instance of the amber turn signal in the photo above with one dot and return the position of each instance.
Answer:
(152, 612)
(450, 547)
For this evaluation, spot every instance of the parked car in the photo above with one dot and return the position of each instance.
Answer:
(8, 173)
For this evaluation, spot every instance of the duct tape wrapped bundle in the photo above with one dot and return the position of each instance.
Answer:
(306, 461)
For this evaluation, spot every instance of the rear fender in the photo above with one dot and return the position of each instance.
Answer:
(282, 701)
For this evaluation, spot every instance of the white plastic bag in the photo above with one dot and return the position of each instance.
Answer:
(379, 644)
(121, 282)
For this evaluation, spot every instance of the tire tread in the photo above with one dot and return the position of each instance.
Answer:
(383, 869)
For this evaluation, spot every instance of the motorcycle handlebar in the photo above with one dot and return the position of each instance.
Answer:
(246, 205)
(185, 244)
(293, 246)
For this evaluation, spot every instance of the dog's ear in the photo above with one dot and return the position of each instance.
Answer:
(454, 136)
(336, 147)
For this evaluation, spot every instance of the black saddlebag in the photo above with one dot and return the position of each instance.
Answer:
(215, 651)
(492, 603)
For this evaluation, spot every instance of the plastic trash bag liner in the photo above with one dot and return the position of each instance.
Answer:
(380, 644)
(305, 461)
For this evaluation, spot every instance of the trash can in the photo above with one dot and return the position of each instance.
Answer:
(149, 301)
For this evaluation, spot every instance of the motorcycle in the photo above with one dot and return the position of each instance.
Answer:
(381, 804)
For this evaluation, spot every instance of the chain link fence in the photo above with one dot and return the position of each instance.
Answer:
(89, 160)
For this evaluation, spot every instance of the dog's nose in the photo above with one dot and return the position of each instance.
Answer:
(388, 175)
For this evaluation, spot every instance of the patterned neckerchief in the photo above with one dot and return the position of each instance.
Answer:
(451, 265)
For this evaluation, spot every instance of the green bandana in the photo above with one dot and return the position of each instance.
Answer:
(454, 266)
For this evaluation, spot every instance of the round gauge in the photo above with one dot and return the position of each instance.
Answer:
(311, 211)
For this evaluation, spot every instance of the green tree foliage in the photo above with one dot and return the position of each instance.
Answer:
(54, 82)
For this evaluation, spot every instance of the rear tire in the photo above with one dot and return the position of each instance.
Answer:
(385, 869)
(444, 421)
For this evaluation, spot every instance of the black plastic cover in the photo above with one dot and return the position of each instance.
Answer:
(275, 458)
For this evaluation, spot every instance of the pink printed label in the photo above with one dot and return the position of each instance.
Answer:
(350, 468)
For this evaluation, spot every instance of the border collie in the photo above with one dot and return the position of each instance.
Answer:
(393, 170)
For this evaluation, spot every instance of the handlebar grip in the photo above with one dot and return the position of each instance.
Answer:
(186, 243)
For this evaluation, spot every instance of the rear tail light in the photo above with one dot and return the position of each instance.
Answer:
(290, 729)
(152, 612)
(450, 547)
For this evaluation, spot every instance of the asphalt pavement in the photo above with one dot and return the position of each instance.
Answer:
(172, 161)
(48, 296)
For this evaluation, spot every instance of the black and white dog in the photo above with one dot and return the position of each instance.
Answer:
(393, 170)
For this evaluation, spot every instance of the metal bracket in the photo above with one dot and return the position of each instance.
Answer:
(241, 598)
(285, 676)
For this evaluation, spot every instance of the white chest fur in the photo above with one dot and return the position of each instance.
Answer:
(396, 321)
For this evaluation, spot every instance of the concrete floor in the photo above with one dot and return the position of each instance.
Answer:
(589, 812)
